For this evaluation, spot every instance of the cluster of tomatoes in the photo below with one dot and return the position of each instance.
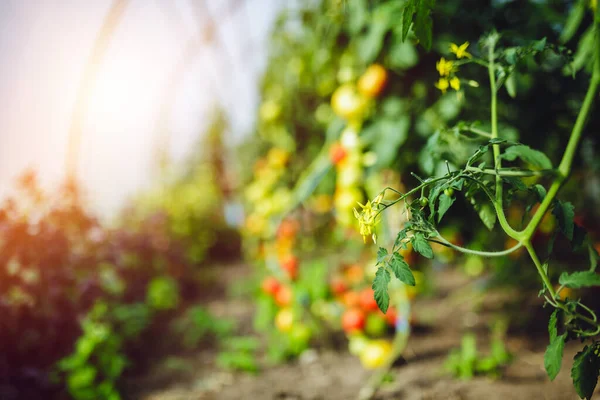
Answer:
(351, 102)
(366, 327)
(267, 195)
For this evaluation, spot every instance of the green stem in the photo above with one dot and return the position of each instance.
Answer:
(498, 203)
(541, 271)
(564, 168)
(511, 172)
(445, 242)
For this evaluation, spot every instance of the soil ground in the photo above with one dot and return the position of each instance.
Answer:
(326, 374)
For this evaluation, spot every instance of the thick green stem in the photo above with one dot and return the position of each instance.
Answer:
(564, 168)
(498, 203)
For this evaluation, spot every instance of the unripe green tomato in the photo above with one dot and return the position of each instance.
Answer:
(376, 325)
(423, 201)
(449, 192)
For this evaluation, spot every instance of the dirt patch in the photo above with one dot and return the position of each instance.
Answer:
(325, 374)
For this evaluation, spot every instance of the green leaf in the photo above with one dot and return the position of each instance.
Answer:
(564, 213)
(380, 287)
(382, 253)
(579, 279)
(407, 16)
(552, 323)
(402, 270)
(421, 246)
(585, 371)
(528, 155)
(511, 85)
(445, 203)
(487, 214)
(539, 191)
(553, 356)
(573, 21)
(424, 28)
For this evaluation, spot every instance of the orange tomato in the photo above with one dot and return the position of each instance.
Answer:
(354, 274)
(337, 153)
(351, 299)
(372, 82)
(284, 296)
(353, 320)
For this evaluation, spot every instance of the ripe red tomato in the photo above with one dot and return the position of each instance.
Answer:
(284, 296)
(270, 285)
(372, 82)
(338, 286)
(337, 153)
(353, 320)
(290, 265)
(367, 300)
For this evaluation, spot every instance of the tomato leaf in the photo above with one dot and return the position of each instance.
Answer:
(382, 253)
(579, 279)
(528, 155)
(380, 287)
(445, 203)
(564, 213)
(552, 325)
(584, 372)
(553, 355)
(421, 246)
(402, 270)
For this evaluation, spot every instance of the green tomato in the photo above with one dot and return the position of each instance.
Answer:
(375, 325)
(449, 192)
(423, 201)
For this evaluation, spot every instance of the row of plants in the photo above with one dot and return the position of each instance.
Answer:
(83, 300)
(378, 117)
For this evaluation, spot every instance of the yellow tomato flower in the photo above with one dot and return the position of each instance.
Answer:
(455, 83)
(444, 66)
(460, 51)
(367, 220)
(442, 84)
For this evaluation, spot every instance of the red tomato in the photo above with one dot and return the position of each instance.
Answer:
(290, 265)
(270, 285)
(338, 286)
(367, 300)
(372, 82)
(353, 320)
(284, 296)
(337, 153)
